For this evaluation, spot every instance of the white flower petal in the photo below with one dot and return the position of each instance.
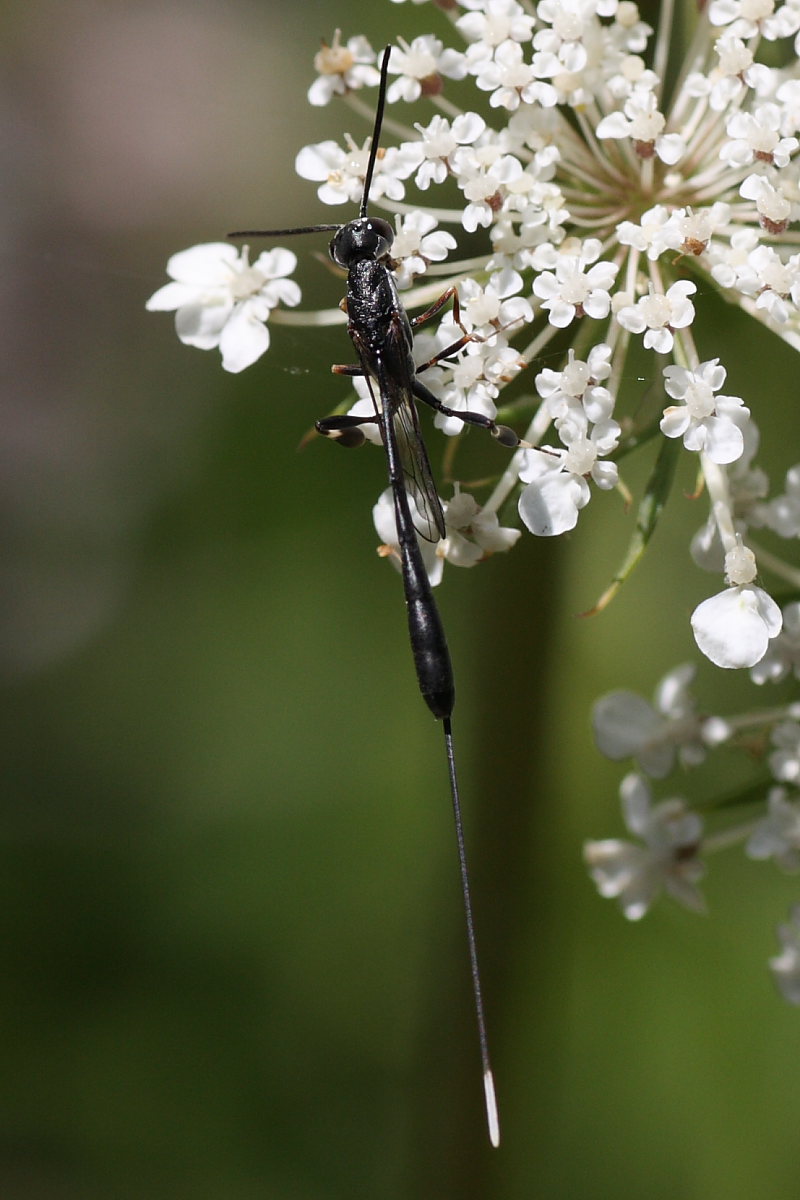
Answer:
(243, 340)
(551, 506)
(724, 442)
(205, 266)
(171, 296)
(734, 627)
(670, 148)
(626, 726)
(615, 125)
(200, 325)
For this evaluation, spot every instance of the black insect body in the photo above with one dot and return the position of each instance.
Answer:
(382, 334)
(383, 337)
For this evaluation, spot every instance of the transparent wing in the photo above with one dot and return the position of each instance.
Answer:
(395, 403)
(420, 484)
(397, 406)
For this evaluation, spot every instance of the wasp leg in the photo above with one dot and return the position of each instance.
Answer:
(504, 434)
(344, 429)
(438, 305)
(347, 369)
(454, 347)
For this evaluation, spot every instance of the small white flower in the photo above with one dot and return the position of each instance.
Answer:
(634, 874)
(773, 207)
(495, 306)
(735, 73)
(784, 762)
(755, 137)
(497, 22)
(485, 180)
(730, 260)
(462, 387)
(464, 390)
(631, 76)
(419, 67)
(564, 47)
(733, 628)
(707, 423)
(343, 69)
(472, 532)
(510, 79)
(788, 96)
(578, 386)
(439, 140)
(654, 234)
(342, 170)
(641, 121)
(658, 315)
(783, 654)
(782, 514)
(572, 290)
(586, 447)
(220, 299)
(693, 229)
(473, 381)
(746, 19)
(417, 243)
(549, 505)
(778, 834)
(786, 966)
(628, 726)
(769, 280)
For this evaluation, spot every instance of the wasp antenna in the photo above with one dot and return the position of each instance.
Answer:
(282, 232)
(376, 132)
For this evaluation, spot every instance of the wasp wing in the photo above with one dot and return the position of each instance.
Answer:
(388, 374)
(397, 404)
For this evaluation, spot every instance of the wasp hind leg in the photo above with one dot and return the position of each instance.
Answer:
(504, 434)
(344, 429)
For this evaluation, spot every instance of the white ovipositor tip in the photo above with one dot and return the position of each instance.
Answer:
(491, 1109)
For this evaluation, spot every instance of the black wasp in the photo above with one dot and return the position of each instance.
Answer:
(382, 334)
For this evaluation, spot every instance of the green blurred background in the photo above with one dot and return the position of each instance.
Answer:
(232, 943)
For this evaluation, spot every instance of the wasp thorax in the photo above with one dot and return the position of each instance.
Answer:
(366, 237)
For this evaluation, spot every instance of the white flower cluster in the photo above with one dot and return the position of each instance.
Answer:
(673, 836)
(600, 202)
(605, 202)
(557, 479)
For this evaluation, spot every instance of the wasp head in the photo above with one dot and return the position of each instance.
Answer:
(363, 238)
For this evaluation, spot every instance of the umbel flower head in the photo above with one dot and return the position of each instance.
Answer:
(605, 201)
(580, 185)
